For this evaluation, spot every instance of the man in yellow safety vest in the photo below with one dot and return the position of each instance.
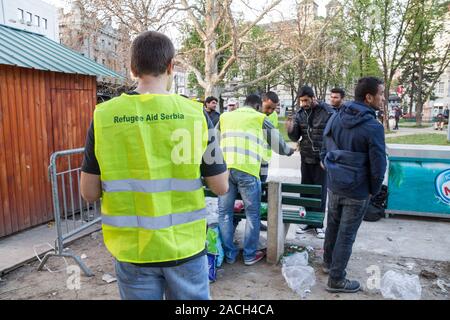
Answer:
(145, 156)
(244, 142)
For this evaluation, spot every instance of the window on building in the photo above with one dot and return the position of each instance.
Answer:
(44, 23)
(20, 14)
(448, 90)
(441, 88)
(38, 20)
(29, 17)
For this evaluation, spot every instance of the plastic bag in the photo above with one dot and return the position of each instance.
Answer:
(400, 286)
(298, 275)
(212, 209)
(238, 206)
(214, 244)
(212, 267)
(296, 259)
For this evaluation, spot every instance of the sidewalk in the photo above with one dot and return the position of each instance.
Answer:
(21, 248)
(403, 131)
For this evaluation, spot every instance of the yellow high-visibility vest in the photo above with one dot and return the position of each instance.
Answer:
(149, 148)
(243, 143)
(273, 118)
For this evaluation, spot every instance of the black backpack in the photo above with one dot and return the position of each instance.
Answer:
(377, 205)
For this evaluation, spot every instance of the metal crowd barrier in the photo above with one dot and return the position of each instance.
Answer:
(72, 214)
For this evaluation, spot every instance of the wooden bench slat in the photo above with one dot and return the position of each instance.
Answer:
(290, 216)
(301, 201)
(301, 188)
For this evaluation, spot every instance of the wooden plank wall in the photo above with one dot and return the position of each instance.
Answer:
(40, 112)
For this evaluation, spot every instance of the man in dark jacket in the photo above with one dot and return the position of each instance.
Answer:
(397, 115)
(337, 96)
(210, 108)
(308, 125)
(355, 159)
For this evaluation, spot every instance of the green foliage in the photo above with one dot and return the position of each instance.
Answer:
(427, 139)
(420, 69)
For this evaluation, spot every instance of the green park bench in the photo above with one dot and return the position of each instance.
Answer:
(286, 198)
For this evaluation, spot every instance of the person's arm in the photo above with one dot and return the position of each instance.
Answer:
(213, 168)
(293, 128)
(218, 183)
(90, 184)
(377, 159)
(275, 140)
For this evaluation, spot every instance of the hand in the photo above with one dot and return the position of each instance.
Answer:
(289, 123)
(322, 165)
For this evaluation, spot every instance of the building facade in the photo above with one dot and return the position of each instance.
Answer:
(98, 41)
(36, 16)
(441, 97)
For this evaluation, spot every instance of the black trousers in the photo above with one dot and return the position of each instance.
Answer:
(314, 174)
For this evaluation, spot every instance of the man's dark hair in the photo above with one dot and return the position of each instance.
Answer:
(253, 100)
(211, 98)
(306, 91)
(367, 85)
(272, 96)
(151, 54)
(340, 91)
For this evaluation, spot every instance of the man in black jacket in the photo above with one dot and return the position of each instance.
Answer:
(308, 126)
(355, 159)
(210, 108)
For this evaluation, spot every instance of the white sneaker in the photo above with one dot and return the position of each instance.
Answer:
(320, 233)
(304, 229)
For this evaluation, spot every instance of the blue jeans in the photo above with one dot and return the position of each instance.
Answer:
(188, 281)
(250, 189)
(344, 218)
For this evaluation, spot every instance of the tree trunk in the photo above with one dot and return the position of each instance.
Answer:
(387, 83)
(211, 69)
(211, 59)
(420, 66)
(411, 100)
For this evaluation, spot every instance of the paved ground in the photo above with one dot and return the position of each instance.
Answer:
(407, 245)
(26, 246)
(416, 247)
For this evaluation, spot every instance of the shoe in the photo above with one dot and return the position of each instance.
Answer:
(262, 227)
(325, 268)
(259, 255)
(344, 286)
(320, 233)
(303, 230)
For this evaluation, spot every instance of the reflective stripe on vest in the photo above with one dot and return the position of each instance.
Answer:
(161, 185)
(153, 207)
(154, 223)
